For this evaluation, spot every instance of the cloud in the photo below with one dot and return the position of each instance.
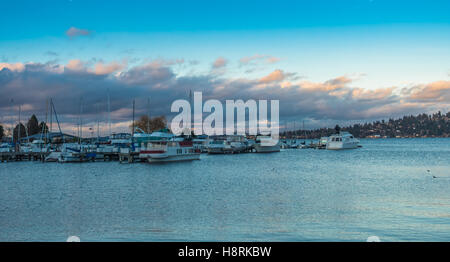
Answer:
(330, 101)
(258, 59)
(75, 32)
(51, 53)
(434, 92)
(276, 76)
(106, 69)
(220, 62)
(75, 65)
(12, 67)
(99, 68)
(154, 74)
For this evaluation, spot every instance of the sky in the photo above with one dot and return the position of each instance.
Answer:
(328, 62)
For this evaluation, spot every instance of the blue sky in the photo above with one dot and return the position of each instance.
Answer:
(376, 44)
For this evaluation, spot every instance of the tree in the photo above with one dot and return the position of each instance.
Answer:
(2, 132)
(149, 125)
(33, 126)
(337, 128)
(23, 132)
(43, 127)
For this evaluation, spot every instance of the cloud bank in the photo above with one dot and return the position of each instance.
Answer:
(88, 83)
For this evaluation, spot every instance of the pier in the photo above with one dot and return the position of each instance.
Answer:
(130, 157)
(23, 156)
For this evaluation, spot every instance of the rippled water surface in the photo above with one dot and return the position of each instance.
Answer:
(382, 189)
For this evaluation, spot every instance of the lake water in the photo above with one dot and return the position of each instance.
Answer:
(381, 189)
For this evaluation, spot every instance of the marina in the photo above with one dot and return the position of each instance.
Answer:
(149, 147)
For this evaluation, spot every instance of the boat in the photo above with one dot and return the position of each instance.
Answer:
(266, 144)
(115, 144)
(201, 142)
(342, 140)
(238, 143)
(6, 148)
(169, 151)
(73, 153)
(53, 156)
(219, 146)
(322, 144)
(228, 144)
(39, 146)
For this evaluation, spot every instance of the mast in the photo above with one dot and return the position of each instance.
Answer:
(295, 131)
(132, 131)
(26, 133)
(57, 121)
(191, 128)
(98, 123)
(109, 113)
(148, 116)
(304, 131)
(45, 122)
(12, 121)
(18, 131)
(51, 116)
(81, 121)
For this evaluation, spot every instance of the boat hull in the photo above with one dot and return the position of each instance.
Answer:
(341, 145)
(219, 150)
(267, 149)
(185, 157)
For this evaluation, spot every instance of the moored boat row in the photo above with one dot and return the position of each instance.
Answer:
(163, 146)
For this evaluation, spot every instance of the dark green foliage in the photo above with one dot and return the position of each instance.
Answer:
(2, 132)
(423, 125)
(23, 132)
(33, 126)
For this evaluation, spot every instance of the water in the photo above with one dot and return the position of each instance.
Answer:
(381, 189)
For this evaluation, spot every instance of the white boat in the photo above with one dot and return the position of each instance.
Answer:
(201, 143)
(25, 148)
(115, 144)
(6, 148)
(228, 144)
(38, 146)
(219, 146)
(343, 140)
(169, 151)
(266, 144)
(238, 143)
(53, 156)
(76, 153)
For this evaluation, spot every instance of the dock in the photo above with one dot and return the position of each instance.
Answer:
(129, 157)
(23, 156)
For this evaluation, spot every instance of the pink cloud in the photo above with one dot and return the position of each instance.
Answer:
(220, 62)
(275, 76)
(106, 69)
(12, 67)
(75, 32)
(435, 91)
(259, 58)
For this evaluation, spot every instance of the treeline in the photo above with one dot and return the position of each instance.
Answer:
(423, 125)
(32, 127)
(149, 125)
